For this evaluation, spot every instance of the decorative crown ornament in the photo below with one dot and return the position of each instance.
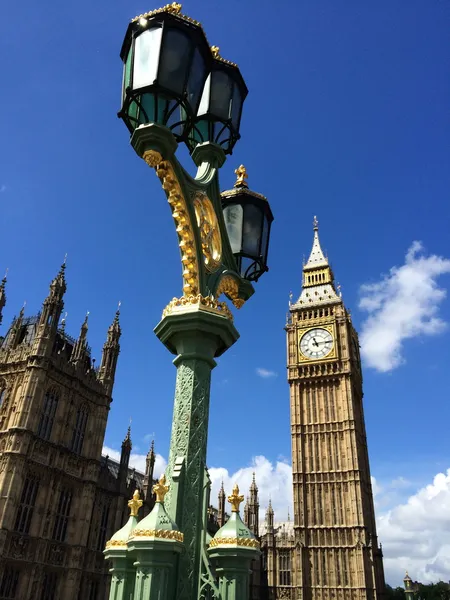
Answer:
(135, 504)
(161, 489)
(235, 499)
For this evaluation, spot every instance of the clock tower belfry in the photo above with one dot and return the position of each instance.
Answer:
(337, 556)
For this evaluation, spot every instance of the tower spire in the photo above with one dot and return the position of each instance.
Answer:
(80, 349)
(110, 354)
(149, 467)
(221, 511)
(2, 294)
(318, 280)
(51, 312)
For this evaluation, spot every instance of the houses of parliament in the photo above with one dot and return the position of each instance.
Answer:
(61, 500)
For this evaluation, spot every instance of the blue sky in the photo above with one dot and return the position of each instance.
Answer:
(347, 118)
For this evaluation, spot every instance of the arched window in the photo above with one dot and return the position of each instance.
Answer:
(48, 414)
(79, 431)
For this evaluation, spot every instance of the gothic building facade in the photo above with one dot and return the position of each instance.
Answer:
(60, 500)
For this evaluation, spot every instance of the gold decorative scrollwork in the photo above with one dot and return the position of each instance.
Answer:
(209, 231)
(208, 302)
(158, 533)
(230, 287)
(180, 214)
(116, 544)
(246, 542)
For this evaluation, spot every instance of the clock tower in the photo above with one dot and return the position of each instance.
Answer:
(337, 556)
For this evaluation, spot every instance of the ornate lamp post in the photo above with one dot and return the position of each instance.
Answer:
(177, 89)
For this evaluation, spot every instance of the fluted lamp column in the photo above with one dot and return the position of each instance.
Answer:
(122, 581)
(231, 551)
(154, 545)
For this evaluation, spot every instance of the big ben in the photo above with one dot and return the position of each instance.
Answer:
(337, 556)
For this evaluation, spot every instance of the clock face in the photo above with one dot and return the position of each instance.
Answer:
(316, 343)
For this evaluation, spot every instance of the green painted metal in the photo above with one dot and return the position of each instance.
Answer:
(232, 559)
(122, 572)
(196, 336)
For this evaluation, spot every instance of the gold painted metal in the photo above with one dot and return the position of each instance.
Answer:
(215, 51)
(230, 287)
(303, 331)
(116, 544)
(242, 175)
(185, 303)
(235, 499)
(135, 504)
(174, 8)
(180, 214)
(161, 489)
(208, 226)
(158, 533)
(246, 542)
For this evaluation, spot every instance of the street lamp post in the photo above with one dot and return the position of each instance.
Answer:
(176, 89)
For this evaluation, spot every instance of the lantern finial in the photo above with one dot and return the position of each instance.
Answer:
(242, 175)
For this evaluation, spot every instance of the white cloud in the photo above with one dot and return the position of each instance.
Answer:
(403, 304)
(137, 461)
(416, 534)
(265, 373)
(274, 481)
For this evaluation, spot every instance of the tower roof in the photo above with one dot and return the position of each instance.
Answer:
(317, 258)
(318, 279)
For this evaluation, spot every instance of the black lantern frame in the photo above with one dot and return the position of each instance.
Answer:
(219, 115)
(166, 63)
(248, 219)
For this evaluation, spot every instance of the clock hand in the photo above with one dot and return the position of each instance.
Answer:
(314, 342)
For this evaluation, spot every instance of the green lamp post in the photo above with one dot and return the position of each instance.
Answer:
(176, 89)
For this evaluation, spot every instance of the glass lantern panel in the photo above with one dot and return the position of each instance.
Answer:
(236, 107)
(126, 74)
(251, 239)
(221, 92)
(147, 109)
(175, 58)
(146, 57)
(265, 238)
(204, 102)
(196, 79)
(234, 215)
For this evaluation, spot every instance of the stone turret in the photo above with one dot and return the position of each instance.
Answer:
(52, 307)
(80, 350)
(110, 354)
(149, 467)
(2, 296)
(221, 511)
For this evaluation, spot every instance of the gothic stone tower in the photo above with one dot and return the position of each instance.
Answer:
(337, 555)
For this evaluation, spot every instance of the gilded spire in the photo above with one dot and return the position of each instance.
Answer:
(135, 504)
(235, 499)
(161, 489)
